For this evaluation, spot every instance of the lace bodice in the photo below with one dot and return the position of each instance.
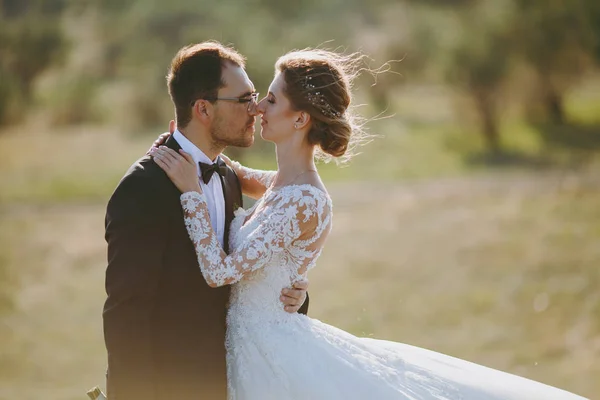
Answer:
(284, 230)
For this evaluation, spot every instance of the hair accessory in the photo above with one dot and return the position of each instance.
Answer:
(317, 99)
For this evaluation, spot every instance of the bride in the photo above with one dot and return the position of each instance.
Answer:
(272, 354)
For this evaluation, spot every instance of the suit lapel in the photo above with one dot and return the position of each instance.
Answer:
(172, 144)
(233, 199)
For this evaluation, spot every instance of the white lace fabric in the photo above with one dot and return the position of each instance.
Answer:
(292, 221)
(272, 354)
(261, 177)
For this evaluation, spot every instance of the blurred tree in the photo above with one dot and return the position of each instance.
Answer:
(479, 66)
(468, 44)
(469, 47)
(140, 38)
(556, 39)
(593, 12)
(31, 40)
(447, 3)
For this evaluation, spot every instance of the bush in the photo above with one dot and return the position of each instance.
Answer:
(73, 101)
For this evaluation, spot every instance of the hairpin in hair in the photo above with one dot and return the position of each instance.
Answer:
(317, 99)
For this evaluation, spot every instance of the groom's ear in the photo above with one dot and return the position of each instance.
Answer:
(203, 110)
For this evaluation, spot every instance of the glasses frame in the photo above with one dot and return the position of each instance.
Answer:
(251, 99)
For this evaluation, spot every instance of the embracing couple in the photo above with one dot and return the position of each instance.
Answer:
(207, 300)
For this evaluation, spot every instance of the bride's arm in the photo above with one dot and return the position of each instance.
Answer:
(296, 227)
(298, 221)
(254, 181)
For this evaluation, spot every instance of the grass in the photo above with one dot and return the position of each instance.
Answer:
(81, 163)
(430, 247)
(501, 271)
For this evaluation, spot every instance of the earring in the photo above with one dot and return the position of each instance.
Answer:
(295, 126)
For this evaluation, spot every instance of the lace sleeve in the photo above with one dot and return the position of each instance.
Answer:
(295, 222)
(254, 181)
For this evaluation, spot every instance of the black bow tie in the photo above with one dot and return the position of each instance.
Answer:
(207, 170)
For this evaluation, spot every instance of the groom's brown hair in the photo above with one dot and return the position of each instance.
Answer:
(196, 73)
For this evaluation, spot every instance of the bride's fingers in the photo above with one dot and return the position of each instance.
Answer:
(163, 137)
(184, 158)
(173, 154)
(180, 167)
(301, 284)
(160, 140)
(226, 159)
(165, 160)
(170, 154)
(188, 157)
(158, 159)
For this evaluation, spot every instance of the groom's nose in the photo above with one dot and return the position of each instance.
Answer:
(253, 109)
(260, 107)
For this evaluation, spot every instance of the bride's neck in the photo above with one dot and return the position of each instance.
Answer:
(293, 160)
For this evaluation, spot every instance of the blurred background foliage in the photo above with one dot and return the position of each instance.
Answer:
(486, 150)
(82, 61)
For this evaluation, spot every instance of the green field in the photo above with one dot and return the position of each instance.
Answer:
(495, 266)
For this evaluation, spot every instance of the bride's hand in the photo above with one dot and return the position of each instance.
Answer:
(162, 138)
(227, 160)
(180, 168)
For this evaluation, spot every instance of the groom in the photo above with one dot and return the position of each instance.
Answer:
(164, 327)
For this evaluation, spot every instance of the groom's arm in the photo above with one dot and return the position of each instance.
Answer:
(136, 241)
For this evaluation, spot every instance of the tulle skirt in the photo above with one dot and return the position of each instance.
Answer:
(303, 358)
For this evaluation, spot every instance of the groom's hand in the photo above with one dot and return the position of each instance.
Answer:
(293, 298)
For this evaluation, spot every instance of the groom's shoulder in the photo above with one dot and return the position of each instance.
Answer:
(144, 176)
(144, 168)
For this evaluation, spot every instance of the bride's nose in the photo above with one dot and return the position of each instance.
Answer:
(260, 108)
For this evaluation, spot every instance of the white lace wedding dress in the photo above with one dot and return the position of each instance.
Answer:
(272, 354)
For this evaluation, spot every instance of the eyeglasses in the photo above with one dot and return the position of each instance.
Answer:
(251, 99)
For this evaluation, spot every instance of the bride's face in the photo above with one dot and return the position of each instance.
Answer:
(277, 116)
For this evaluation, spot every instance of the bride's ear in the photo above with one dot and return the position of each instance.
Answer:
(302, 120)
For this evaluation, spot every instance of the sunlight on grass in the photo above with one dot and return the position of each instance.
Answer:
(431, 246)
(500, 271)
(82, 163)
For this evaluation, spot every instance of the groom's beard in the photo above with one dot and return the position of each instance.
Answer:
(223, 134)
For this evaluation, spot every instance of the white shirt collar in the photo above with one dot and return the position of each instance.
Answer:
(190, 148)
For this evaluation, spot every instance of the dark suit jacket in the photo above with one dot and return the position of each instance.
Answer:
(164, 327)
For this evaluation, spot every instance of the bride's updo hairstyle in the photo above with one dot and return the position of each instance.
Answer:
(319, 82)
